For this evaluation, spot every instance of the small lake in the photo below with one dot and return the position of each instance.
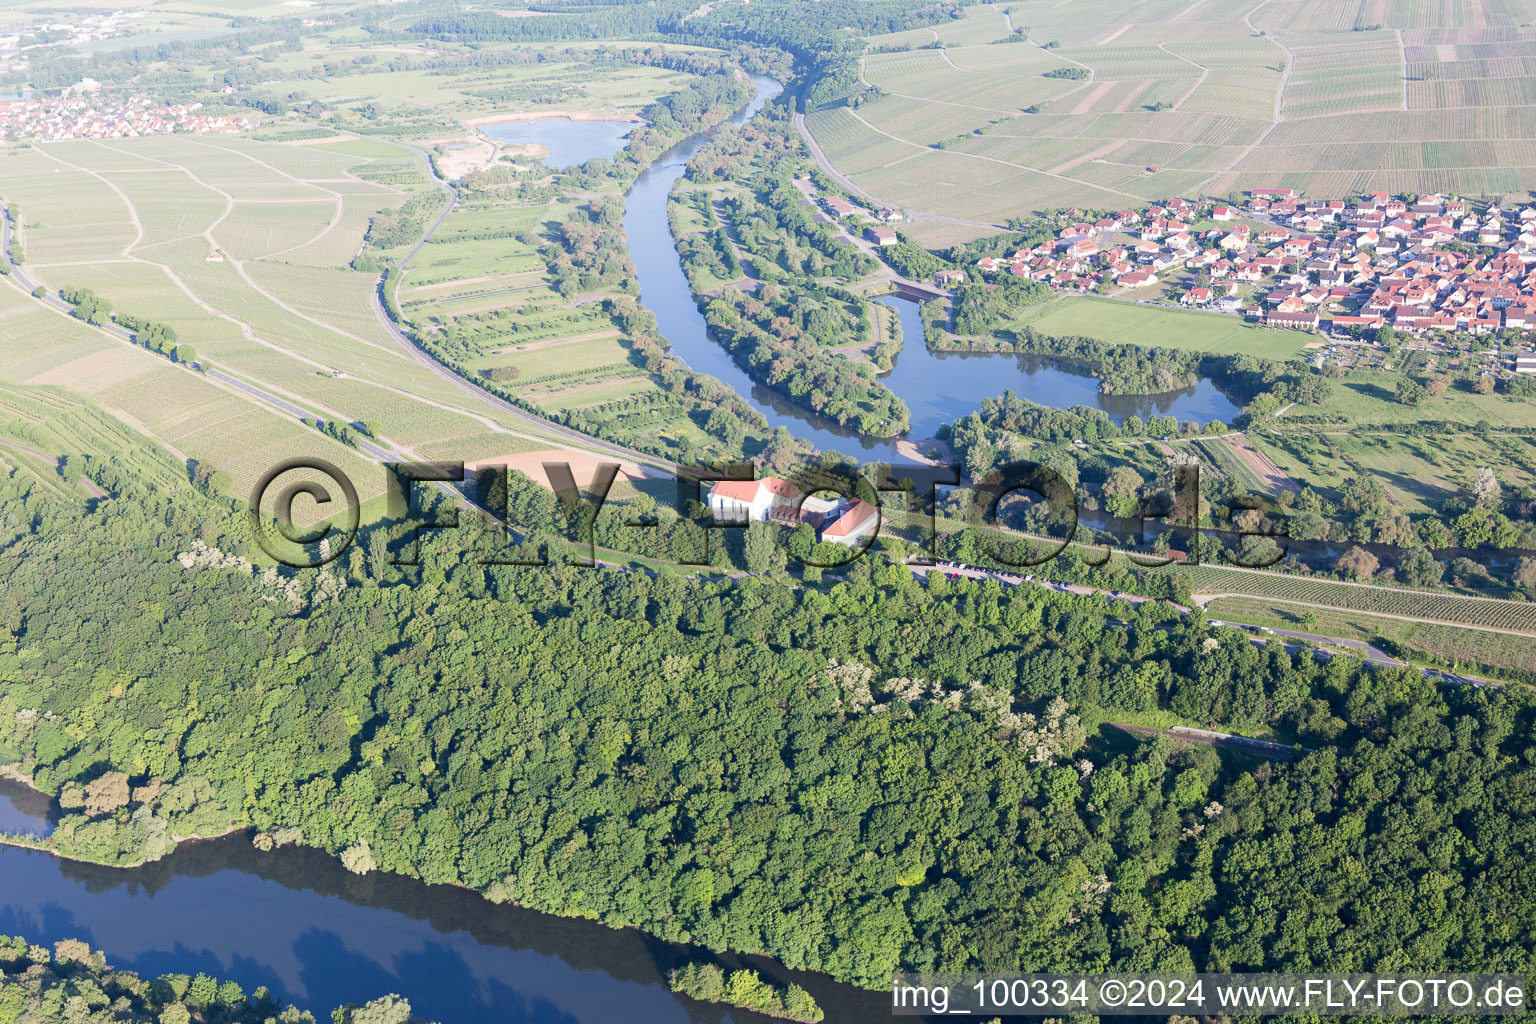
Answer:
(941, 387)
(570, 142)
(938, 388)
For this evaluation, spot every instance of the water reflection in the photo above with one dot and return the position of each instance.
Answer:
(297, 921)
(569, 142)
(23, 810)
(941, 387)
(938, 388)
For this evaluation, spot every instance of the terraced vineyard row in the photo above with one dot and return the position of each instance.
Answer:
(1471, 611)
(1496, 653)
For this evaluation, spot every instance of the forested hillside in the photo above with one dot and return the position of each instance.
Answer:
(884, 773)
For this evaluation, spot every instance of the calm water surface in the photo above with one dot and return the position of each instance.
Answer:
(938, 388)
(296, 921)
(23, 810)
(569, 142)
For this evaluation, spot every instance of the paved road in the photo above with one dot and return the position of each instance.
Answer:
(276, 401)
(1370, 654)
(427, 360)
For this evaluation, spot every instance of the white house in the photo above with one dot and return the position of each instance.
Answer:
(752, 500)
(859, 520)
(836, 520)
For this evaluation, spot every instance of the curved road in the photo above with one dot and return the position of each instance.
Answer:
(430, 362)
(276, 401)
(1372, 655)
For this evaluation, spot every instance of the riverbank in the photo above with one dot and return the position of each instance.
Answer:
(295, 920)
(235, 850)
(552, 115)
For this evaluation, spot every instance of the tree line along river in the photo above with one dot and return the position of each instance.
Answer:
(296, 921)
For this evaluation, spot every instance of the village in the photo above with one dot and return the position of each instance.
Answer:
(1426, 266)
(86, 113)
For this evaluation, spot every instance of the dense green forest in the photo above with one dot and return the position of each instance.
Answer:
(74, 984)
(764, 332)
(786, 328)
(877, 773)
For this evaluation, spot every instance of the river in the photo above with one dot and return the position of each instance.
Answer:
(317, 936)
(938, 388)
(296, 921)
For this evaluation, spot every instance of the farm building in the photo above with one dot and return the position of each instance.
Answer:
(840, 208)
(881, 235)
(856, 520)
(772, 500)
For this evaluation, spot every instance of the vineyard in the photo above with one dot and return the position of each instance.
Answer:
(1415, 96)
(1493, 653)
(1515, 616)
(1221, 455)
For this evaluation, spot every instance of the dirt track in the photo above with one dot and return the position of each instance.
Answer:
(1262, 466)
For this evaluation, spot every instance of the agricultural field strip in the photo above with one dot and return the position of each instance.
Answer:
(1377, 614)
(1285, 80)
(1450, 644)
(1204, 74)
(1489, 611)
(257, 404)
(239, 265)
(992, 159)
(1011, 111)
(251, 401)
(1204, 69)
(1315, 592)
(249, 333)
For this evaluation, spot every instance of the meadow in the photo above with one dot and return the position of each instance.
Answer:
(1130, 322)
(1417, 472)
(1368, 396)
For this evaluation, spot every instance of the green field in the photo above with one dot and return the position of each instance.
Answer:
(1367, 396)
(1130, 322)
(468, 91)
(241, 248)
(1418, 472)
